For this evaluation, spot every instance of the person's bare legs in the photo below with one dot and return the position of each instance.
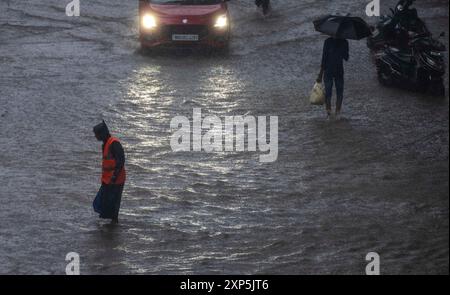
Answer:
(339, 82)
(328, 82)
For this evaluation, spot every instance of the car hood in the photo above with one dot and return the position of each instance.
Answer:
(185, 10)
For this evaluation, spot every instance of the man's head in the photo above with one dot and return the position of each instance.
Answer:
(101, 131)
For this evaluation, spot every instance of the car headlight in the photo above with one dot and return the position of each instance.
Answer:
(149, 21)
(221, 22)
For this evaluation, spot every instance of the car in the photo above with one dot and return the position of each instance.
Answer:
(184, 22)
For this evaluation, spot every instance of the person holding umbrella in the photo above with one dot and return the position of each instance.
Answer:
(335, 51)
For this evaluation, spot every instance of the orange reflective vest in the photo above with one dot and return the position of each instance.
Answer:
(109, 165)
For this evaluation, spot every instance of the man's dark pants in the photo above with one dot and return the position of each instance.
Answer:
(338, 79)
(111, 198)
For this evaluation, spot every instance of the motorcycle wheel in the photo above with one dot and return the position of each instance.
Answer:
(438, 89)
(385, 76)
(144, 50)
(423, 82)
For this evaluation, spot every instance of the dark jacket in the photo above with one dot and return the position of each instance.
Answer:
(335, 51)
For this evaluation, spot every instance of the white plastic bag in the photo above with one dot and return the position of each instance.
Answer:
(317, 96)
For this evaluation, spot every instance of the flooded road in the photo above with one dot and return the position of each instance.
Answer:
(375, 181)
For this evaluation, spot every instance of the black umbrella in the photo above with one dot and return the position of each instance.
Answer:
(344, 27)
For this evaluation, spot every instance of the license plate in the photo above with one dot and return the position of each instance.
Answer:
(184, 37)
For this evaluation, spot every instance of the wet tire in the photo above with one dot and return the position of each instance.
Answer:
(442, 90)
(145, 50)
(438, 89)
(222, 51)
(423, 82)
(385, 76)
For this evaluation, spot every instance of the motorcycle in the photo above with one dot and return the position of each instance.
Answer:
(395, 30)
(421, 67)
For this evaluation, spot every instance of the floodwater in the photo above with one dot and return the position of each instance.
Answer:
(377, 180)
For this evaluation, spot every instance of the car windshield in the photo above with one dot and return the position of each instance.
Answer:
(186, 2)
